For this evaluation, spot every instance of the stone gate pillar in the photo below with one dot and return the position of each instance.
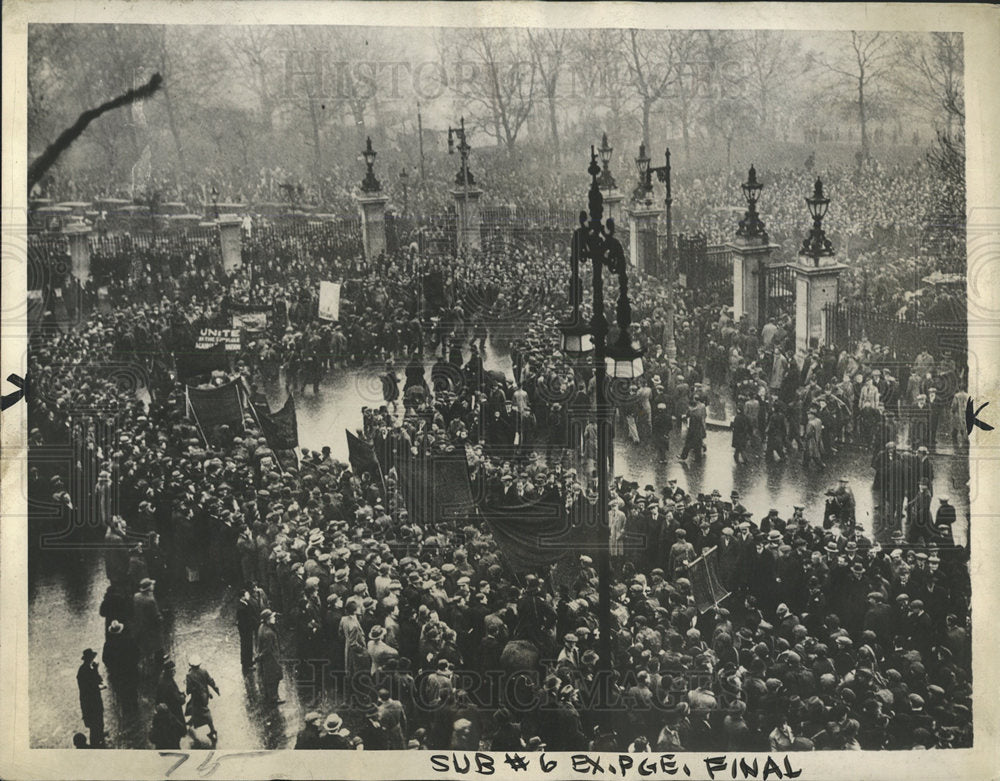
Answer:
(613, 206)
(643, 242)
(750, 258)
(372, 207)
(815, 287)
(469, 216)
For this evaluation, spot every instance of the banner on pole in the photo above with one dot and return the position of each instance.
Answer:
(209, 337)
(198, 363)
(281, 428)
(215, 406)
(329, 301)
(363, 459)
(706, 587)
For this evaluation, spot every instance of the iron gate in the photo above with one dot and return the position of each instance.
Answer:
(777, 292)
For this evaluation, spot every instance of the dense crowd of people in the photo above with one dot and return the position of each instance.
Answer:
(831, 638)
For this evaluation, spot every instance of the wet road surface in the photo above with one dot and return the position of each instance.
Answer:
(66, 587)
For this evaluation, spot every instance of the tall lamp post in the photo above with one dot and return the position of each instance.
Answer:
(663, 174)
(596, 241)
(464, 177)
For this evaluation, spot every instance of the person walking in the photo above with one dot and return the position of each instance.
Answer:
(147, 624)
(90, 683)
(168, 692)
(695, 437)
(268, 657)
(199, 685)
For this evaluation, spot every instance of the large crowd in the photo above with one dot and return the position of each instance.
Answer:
(831, 638)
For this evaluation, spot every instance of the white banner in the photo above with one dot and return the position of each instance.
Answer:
(231, 243)
(329, 301)
(209, 337)
(251, 321)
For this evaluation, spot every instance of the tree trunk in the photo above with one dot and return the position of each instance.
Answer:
(647, 105)
(554, 128)
(862, 119)
(174, 130)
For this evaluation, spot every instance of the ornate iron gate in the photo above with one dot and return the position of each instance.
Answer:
(777, 292)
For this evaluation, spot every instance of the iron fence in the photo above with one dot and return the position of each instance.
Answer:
(849, 325)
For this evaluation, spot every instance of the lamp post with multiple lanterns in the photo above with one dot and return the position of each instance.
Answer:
(595, 240)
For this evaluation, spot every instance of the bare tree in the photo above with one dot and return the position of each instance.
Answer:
(938, 61)
(548, 49)
(865, 65)
(773, 65)
(498, 82)
(651, 71)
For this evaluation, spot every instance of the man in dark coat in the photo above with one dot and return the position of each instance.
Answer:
(146, 624)
(372, 733)
(247, 618)
(742, 428)
(309, 737)
(89, 681)
(268, 657)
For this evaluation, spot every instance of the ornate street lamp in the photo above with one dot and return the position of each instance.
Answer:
(607, 181)
(596, 241)
(816, 245)
(215, 202)
(464, 176)
(642, 190)
(370, 184)
(751, 226)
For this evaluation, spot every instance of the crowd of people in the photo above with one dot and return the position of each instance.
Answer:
(831, 638)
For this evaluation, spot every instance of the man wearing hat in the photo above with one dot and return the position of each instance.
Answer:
(943, 523)
(570, 653)
(372, 733)
(334, 736)
(89, 682)
(268, 658)
(199, 685)
(919, 516)
(309, 736)
(147, 624)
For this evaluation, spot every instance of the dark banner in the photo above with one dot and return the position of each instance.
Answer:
(435, 296)
(542, 533)
(216, 406)
(435, 486)
(199, 363)
(281, 428)
(708, 591)
(362, 457)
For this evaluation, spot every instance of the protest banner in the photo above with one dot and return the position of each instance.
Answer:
(209, 337)
(215, 406)
(329, 301)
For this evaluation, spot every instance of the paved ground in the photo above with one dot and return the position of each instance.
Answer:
(66, 588)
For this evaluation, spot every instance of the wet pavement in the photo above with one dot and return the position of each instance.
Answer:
(66, 587)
